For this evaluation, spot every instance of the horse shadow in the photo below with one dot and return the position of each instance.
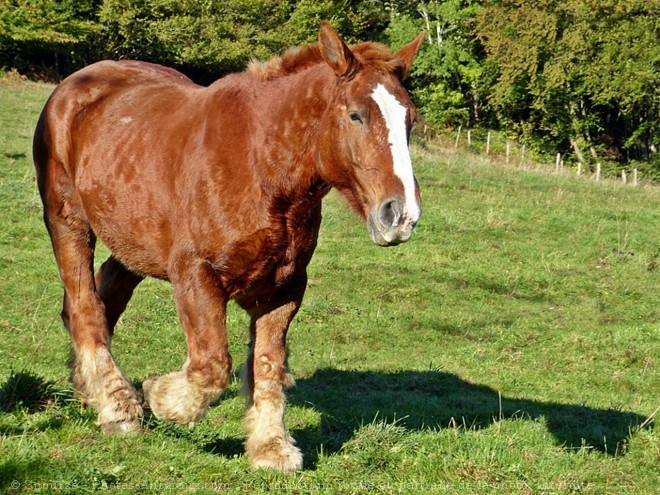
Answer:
(347, 400)
(419, 400)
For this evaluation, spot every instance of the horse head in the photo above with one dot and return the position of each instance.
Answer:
(366, 130)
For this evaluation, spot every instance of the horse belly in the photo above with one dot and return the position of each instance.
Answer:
(133, 218)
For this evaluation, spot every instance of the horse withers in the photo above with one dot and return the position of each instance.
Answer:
(217, 189)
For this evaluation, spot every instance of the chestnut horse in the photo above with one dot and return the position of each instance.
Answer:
(217, 189)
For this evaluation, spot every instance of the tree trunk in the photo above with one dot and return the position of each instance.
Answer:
(575, 125)
(577, 150)
(586, 132)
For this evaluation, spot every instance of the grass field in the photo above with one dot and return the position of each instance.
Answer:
(513, 346)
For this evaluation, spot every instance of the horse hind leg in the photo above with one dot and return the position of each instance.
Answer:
(94, 373)
(115, 284)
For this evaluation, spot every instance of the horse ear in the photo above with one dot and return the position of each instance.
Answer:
(335, 52)
(407, 54)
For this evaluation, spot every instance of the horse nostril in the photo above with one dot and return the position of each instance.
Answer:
(390, 213)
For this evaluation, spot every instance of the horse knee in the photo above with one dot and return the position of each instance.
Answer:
(271, 366)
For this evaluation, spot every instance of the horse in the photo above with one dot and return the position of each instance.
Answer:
(218, 190)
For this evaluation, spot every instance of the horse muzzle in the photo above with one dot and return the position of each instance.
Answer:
(390, 224)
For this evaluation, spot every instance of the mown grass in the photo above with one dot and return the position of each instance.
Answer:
(513, 346)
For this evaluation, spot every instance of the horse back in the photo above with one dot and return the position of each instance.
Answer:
(87, 107)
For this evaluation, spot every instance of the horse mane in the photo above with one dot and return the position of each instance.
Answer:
(296, 60)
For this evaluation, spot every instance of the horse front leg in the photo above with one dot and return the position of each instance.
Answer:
(184, 396)
(269, 445)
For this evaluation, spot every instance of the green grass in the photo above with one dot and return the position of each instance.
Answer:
(513, 346)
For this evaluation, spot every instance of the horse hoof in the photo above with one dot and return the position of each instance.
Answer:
(121, 427)
(285, 458)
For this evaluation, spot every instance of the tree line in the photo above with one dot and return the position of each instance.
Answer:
(580, 77)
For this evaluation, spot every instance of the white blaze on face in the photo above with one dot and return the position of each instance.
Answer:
(394, 114)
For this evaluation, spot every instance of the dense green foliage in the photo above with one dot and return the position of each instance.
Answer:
(586, 72)
(511, 347)
(572, 76)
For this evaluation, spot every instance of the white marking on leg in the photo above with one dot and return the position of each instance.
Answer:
(394, 114)
(108, 391)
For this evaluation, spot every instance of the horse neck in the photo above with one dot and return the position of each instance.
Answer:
(290, 112)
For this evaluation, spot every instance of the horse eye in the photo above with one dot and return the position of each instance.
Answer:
(355, 117)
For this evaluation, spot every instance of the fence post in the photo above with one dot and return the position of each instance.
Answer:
(597, 171)
(488, 143)
(469, 137)
(508, 150)
(579, 170)
(635, 177)
(557, 161)
(624, 178)
(458, 136)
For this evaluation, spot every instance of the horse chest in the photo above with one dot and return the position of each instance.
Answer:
(271, 257)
